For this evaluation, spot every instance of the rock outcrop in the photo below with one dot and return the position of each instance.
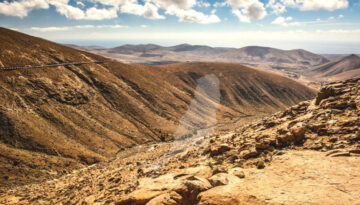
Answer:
(330, 123)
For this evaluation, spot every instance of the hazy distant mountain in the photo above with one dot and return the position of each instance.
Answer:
(130, 49)
(266, 54)
(338, 69)
(333, 56)
(85, 48)
(253, 55)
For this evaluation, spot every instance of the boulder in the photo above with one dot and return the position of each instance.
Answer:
(238, 172)
(225, 195)
(162, 189)
(219, 179)
(223, 179)
(170, 198)
(298, 131)
(324, 93)
(219, 149)
(249, 153)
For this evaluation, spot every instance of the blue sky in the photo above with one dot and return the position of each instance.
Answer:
(322, 26)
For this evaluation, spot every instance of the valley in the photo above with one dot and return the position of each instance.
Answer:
(297, 64)
(60, 118)
(82, 128)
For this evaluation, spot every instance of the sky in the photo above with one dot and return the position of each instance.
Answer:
(321, 26)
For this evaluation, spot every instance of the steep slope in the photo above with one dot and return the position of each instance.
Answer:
(307, 154)
(338, 69)
(56, 119)
(212, 171)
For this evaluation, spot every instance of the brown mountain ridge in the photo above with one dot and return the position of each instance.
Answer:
(56, 119)
(339, 69)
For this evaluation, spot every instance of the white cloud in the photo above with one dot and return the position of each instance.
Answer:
(279, 6)
(329, 5)
(47, 29)
(220, 4)
(84, 26)
(108, 9)
(68, 11)
(111, 26)
(341, 16)
(148, 10)
(180, 4)
(66, 28)
(81, 4)
(248, 10)
(279, 21)
(100, 14)
(76, 13)
(285, 21)
(114, 3)
(331, 18)
(21, 8)
(183, 9)
(144, 26)
(193, 16)
(202, 3)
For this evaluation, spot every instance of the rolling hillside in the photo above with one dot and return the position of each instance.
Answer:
(272, 55)
(339, 69)
(254, 55)
(56, 119)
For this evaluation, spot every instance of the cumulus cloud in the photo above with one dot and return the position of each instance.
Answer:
(68, 11)
(100, 14)
(93, 13)
(108, 9)
(203, 4)
(180, 4)
(285, 21)
(183, 9)
(279, 6)
(329, 5)
(21, 8)
(247, 10)
(148, 10)
(220, 4)
(193, 16)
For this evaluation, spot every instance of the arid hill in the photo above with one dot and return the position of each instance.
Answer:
(307, 154)
(339, 69)
(254, 55)
(59, 118)
(272, 55)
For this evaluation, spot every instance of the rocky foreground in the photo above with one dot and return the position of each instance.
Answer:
(307, 154)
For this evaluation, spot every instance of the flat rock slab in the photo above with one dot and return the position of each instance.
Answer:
(306, 177)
